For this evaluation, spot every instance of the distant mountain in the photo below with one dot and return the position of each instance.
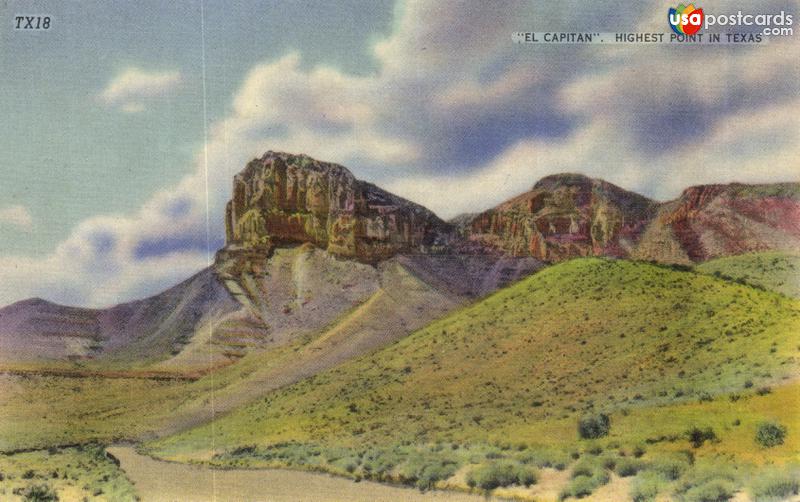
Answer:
(311, 251)
(565, 216)
(143, 330)
(570, 215)
(713, 221)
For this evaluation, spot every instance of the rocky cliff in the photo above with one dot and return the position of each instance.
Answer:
(570, 215)
(284, 199)
(711, 221)
(565, 216)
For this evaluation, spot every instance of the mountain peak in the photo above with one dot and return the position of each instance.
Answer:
(285, 199)
(554, 181)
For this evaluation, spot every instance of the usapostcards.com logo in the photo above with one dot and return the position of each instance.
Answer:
(688, 19)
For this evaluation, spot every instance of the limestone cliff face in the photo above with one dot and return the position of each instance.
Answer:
(565, 216)
(283, 199)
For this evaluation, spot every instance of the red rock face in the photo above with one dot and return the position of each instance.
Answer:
(563, 217)
(293, 199)
(719, 220)
(283, 199)
(568, 216)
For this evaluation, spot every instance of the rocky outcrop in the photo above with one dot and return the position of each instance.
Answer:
(711, 221)
(284, 199)
(565, 216)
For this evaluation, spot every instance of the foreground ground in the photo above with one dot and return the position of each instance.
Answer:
(160, 481)
(688, 367)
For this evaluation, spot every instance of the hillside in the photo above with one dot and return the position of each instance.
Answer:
(143, 331)
(522, 366)
(774, 271)
(318, 311)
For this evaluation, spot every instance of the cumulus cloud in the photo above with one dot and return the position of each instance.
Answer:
(455, 117)
(16, 216)
(133, 87)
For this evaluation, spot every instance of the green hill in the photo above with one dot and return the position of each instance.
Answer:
(774, 270)
(659, 350)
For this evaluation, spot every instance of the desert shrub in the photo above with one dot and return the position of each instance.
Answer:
(594, 426)
(39, 493)
(423, 469)
(646, 487)
(769, 434)
(429, 474)
(698, 436)
(707, 483)
(715, 490)
(775, 486)
(583, 486)
(497, 474)
(629, 467)
(377, 464)
(541, 458)
(669, 468)
(609, 460)
(587, 466)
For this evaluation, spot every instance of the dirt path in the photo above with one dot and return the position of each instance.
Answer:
(158, 481)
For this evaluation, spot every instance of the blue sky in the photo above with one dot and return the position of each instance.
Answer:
(103, 195)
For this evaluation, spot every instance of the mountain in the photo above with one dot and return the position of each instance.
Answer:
(565, 216)
(712, 221)
(312, 255)
(146, 329)
(283, 199)
(570, 215)
(312, 252)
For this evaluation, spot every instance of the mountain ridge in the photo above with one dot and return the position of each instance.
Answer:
(291, 218)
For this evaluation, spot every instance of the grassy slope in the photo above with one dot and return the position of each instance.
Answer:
(41, 410)
(77, 473)
(522, 365)
(775, 271)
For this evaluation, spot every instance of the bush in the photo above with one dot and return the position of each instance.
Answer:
(594, 426)
(424, 470)
(699, 436)
(629, 467)
(583, 486)
(707, 483)
(769, 434)
(775, 486)
(716, 490)
(646, 487)
(586, 467)
(669, 468)
(39, 493)
(431, 473)
(497, 474)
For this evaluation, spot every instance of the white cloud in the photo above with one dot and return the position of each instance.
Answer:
(456, 118)
(16, 216)
(131, 88)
